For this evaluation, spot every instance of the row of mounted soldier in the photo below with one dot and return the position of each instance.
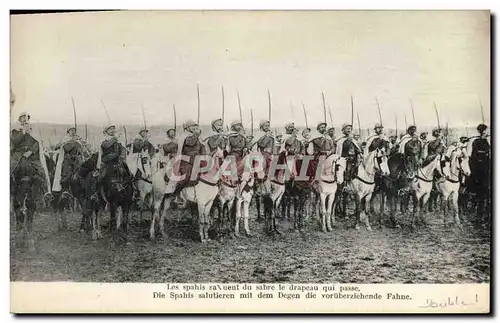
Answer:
(119, 164)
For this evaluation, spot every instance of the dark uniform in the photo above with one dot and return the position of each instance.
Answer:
(141, 144)
(216, 140)
(323, 146)
(170, 148)
(351, 152)
(113, 162)
(378, 143)
(237, 144)
(192, 147)
(73, 156)
(480, 166)
(293, 146)
(265, 145)
(21, 143)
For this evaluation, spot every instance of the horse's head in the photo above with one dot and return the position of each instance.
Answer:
(146, 166)
(381, 161)
(459, 161)
(412, 156)
(443, 163)
(339, 164)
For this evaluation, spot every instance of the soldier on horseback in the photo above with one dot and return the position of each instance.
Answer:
(141, 144)
(27, 174)
(434, 147)
(170, 145)
(479, 151)
(70, 155)
(190, 146)
(292, 147)
(306, 136)
(238, 147)
(349, 148)
(423, 137)
(111, 163)
(24, 145)
(265, 144)
(219, 139)
(377, 140)
(319, 146)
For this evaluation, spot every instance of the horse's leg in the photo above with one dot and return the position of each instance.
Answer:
(329, 211)
(296, 210)
(274, 211)
(162, 214)
(382, 208)
(257, 205)
(155, 218)
(323, 211)
(302, 204)
(368, 210)
(456, 209)
(357, 217)
(30, 212)
(220, 216)
(205, 216)
(425, 199)
(246, 214)
(416, 206)
(239, 201)
(64, 219)
(113, 223)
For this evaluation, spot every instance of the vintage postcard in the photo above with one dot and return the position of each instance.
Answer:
(257, 161)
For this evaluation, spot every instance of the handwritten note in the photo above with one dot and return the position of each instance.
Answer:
(449, 302)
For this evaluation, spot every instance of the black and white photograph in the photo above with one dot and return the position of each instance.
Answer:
(251, 146)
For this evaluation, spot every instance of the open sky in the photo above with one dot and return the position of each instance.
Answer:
(156, 59)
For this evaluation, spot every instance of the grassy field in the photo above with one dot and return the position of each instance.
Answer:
(431, 254)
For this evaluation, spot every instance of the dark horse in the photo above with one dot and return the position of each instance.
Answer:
(117, 190)
(25, 187)
(83, 185)
(403, 168)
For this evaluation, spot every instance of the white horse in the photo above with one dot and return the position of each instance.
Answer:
(363, 184)
(146, 165)
(325, 187)
(449, 189)
(226, 199)
(271, 190)
(203, 194)
(421, 186)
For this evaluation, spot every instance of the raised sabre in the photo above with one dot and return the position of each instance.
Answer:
(437, 115)
(413, 113)
(223, 107)
(305, 115)
(324, 105)
(330, 114)
(251, 120)
(406, 123)
(198, 92)
(86, 133)
(379, 113)
(239, 107)
(269, 102)
(482, 112)
(359, 125)
(175, 118)
(144, 117)
(74, 111)
(125, 134)
(106, 111)
(352, 110)
(396, 117)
